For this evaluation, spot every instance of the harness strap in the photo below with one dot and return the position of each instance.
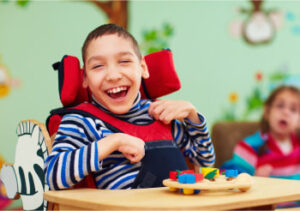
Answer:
(155, 131)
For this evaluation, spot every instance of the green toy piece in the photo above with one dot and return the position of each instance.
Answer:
(211, 175)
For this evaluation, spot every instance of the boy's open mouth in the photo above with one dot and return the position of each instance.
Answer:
(117, 92)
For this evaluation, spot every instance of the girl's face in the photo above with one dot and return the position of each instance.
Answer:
(283, 115)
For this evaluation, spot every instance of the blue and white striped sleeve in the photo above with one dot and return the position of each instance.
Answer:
(195, 141)
(75, 152)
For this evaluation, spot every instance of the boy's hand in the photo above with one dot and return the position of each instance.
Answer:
(264, 171)
(131, 147)
(168, 110)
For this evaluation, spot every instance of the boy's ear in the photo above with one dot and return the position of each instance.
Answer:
(145, 72)
(84, 80)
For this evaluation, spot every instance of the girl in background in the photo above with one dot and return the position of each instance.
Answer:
(274, 151)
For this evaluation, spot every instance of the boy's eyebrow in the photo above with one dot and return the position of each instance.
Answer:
(94, 58)
(123, 53)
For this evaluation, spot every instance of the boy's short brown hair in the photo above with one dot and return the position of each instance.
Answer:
(108, 29)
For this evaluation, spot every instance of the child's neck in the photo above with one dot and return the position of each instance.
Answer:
(281, 137)
(284, 142)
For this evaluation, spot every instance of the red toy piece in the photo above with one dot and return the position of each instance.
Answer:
(186, 172)
(173, 175)
(199, 177)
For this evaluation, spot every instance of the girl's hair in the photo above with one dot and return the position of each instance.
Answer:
(264, 124)
(108, 29)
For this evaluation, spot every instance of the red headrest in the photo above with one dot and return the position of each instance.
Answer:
(163, 78)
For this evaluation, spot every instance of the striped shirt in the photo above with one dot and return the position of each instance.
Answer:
(262, 149)
(75, 153)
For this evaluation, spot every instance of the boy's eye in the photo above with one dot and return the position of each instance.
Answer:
(97, 66)
(125, 61)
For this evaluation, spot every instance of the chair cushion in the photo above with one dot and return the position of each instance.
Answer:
(225, 135)
(163, 78)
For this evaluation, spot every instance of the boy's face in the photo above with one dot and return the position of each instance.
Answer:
(113, 72)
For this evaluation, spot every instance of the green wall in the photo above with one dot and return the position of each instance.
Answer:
(209, 61)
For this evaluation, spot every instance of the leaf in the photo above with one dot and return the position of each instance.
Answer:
(168, 30)
(152, 50)
(150, 35)
(156, 40)
(22, 3)
(277, 76)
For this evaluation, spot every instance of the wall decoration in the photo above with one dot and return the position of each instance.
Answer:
(229, 114)
(6, 81)
(254, 102)
(294, 24)
(115, 10)
(260, 25)
(4, 200)
(156, 39)
(25, 178)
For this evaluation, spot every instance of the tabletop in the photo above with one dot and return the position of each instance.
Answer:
(264, 191)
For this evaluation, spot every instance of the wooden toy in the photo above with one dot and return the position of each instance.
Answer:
(188, 184)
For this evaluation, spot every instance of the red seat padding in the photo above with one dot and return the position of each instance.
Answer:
(163, 78)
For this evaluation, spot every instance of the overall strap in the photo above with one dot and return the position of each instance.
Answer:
(155, 131)
(145, 132)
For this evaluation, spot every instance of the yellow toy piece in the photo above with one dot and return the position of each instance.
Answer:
(205, 171)
(187, 191)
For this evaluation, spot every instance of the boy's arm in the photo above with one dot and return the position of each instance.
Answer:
(168, 110)
(194, 140)
(77, 152)
(189, 129)
(131, 147)
(74, 154)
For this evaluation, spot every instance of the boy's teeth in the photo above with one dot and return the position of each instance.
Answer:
(116, 90)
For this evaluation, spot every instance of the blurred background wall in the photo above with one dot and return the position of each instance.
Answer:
(222, 74)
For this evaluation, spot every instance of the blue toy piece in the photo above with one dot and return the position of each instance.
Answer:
(231, 173)
(190, 179)
(187, 178)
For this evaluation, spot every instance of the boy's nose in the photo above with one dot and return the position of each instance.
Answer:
(113, 74)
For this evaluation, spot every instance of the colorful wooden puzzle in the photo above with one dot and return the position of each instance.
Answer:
(189, 182)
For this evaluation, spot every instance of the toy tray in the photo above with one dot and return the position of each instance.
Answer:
(242, 182)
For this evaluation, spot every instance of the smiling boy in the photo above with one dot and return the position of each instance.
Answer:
(113, 69)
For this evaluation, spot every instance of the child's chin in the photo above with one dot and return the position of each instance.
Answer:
(119, 109)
